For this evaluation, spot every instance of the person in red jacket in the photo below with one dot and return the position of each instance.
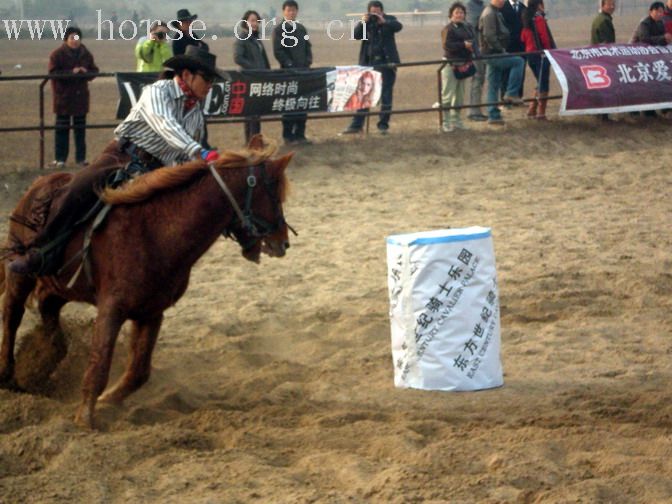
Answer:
(536, 35)
(667, 17)
(71, 96)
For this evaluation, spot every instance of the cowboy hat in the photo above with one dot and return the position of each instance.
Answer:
(195, 59)
(184, 15)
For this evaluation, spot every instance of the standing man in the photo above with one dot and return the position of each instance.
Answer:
(494, 39)
(602, 30)
(249, 54)
(512, 12)
(293, 50)
(651, 29)
(376, 31)
(186, 39)
(474, 11)
(71, 96)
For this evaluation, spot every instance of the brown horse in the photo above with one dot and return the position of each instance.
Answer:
(141, 257)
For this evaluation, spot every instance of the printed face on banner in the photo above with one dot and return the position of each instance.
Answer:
(353, 88)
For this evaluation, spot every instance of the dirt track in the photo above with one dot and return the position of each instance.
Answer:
(274, 383)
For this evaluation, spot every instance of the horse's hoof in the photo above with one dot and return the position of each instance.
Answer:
(111, 398)
(11, 385)
(84, 418)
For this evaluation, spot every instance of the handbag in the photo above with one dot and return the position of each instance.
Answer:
(464, 71)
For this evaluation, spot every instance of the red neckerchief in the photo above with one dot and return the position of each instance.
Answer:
(192, 100)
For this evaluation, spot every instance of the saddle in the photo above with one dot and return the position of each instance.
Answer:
(44, 200)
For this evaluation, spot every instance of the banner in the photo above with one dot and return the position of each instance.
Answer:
(268, 92)
(613, 78)
(353, 87)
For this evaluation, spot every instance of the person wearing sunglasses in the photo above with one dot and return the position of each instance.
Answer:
(165, 127)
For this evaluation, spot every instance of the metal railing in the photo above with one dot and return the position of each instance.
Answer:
(43, 128)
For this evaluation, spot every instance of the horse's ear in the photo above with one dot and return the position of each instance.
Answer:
(256, 143)
(280, 164)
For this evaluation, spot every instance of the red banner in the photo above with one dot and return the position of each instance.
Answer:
(613, 78)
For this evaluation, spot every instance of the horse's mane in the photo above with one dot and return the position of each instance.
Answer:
(145, 186)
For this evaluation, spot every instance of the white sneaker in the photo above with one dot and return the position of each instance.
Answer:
(58, 165)
(447, 129)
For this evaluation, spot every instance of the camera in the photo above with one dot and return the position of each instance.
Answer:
(160, 35)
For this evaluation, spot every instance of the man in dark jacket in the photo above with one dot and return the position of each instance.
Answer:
(474, 11)
(249, 54)
(512, 12)
(180, 44)
(651, 29)
(494, 39)
(71, 96)
(602, 30)
(293, 50)
(376, 31)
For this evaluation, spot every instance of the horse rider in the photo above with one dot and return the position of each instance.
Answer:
(165, 127)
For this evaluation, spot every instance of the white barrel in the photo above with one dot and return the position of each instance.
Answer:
(444, 310)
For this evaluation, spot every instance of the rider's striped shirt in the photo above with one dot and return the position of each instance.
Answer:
(159, 124)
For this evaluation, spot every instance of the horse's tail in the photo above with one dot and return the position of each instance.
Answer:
(2, 278)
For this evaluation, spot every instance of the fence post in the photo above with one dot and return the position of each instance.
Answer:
(44, 82)
(439, 86)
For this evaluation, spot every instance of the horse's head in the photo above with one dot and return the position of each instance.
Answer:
(263, 227)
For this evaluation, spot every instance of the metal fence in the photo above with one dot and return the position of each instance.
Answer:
(42, 128)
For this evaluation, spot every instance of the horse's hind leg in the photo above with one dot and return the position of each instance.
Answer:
(143, 339)
(108, 324)
(17, 290)
(50, 308)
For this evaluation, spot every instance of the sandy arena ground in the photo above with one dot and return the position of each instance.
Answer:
(273, 383)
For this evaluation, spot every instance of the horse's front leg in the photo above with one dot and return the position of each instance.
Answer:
(17, 290)
(143, 339)
(108, 324)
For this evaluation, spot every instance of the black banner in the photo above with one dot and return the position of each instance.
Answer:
(246, 93)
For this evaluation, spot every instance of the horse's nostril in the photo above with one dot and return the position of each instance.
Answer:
(286, 245)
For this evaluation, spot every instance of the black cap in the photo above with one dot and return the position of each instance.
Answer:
(184, 15)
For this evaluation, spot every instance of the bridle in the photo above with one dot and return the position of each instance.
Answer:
(253, 225)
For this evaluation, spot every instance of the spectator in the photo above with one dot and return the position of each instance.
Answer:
(651, 29)
(458, 47)
(512, 12)
(150, 53)
(71, 96)
(494, 39)
(667, 17)
(164, 127)
(474, 10)
(378, 48)
(185, 36)
(249, 54)
(602, 31)
(293, 50)
(537, 36)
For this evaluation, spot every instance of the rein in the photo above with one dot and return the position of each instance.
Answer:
(252, 224)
